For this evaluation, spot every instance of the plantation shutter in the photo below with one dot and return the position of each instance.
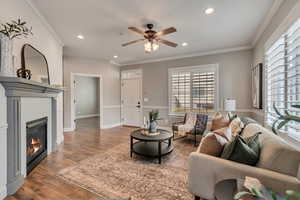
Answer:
(275, 72)
(283, 78)
(192, 90)
(181, 92)
(203, 91)
(293, 76)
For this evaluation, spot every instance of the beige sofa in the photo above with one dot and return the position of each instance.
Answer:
(278, 167)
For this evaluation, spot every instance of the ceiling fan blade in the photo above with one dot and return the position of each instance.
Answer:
(134, 29)
(165, 32)
(168, 43)
(132, 42)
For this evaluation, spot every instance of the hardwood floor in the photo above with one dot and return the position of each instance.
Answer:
(42, 183)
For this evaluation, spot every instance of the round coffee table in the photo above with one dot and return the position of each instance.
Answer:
(151, 146)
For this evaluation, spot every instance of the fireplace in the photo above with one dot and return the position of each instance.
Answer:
(36, 136)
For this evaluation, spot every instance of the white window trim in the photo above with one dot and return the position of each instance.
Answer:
(281, 30)
(291, 18)
(200, 68)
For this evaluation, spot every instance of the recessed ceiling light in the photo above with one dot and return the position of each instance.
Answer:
(209, 11)
(184, 44)
(116, 56)
(81, 37)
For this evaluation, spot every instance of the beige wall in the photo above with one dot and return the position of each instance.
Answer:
(234, 78)
(259, 49)
(111, 87)
(87, 96)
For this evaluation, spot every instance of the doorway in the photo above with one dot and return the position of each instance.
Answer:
(86, 101)
(131, 98)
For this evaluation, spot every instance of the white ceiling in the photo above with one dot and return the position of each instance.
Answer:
(104, 25)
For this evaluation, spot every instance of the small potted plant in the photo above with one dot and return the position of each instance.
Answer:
(153, 117)
(8, 32)
(254, 189)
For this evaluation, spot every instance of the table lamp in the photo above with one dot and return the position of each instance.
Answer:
(230, 105)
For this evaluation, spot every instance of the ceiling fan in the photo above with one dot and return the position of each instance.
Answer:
(152, 37)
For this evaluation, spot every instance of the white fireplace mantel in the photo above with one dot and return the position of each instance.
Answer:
(26, 88)
(25, 96)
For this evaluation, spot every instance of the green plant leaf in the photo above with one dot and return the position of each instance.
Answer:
(15, 29)
(241, 194)
(276, 110)
(281, 124)
(273, 194)
(292, 194)
(274, 127)
(296, 106)
(257, 192)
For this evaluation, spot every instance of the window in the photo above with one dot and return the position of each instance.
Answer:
(283, 78)
(193, 89)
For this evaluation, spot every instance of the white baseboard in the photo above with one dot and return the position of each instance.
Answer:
(87, 116)
(3, 192)
(107, 126)
(69, 129)
(60, 140)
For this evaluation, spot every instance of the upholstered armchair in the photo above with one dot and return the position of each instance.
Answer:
(198, 128)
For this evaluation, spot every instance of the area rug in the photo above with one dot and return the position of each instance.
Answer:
(114, 175)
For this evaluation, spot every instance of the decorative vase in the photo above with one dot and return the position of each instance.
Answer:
(153, 126)
(6, 56)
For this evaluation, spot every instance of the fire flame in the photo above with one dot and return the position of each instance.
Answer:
(35, 145)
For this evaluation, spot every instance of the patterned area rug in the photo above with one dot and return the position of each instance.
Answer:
(114, 175)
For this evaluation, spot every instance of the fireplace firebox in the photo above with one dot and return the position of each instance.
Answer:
(36, 142)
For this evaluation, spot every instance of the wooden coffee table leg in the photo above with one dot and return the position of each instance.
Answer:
(159, 152)
(131, 146)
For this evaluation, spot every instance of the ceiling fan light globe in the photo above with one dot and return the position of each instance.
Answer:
(151, 46)
(148, 47)
(155, 46)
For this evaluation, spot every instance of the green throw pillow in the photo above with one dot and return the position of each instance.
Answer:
(253, 142)
(231, 116)
(241, 150)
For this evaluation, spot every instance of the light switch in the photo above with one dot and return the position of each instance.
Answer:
(146, 99)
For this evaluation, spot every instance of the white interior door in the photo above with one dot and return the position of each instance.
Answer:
(131, 102)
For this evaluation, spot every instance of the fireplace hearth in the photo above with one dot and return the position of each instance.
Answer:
(36, 148)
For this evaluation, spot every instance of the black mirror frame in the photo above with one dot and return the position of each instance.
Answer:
(23, 62)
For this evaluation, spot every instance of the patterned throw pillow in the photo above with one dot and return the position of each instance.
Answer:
(232, 116)
(219, 121)
(241, 150)
(214, 142)
(236, 126)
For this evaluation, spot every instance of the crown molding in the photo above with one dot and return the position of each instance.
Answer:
(262, 27)
(45, 22)
(206, 53)
(285, 24)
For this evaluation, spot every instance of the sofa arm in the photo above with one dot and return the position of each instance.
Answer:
(206, 171)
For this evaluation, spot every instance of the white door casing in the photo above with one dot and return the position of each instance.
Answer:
(72, 99)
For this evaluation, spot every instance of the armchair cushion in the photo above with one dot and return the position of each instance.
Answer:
(201, 124)
(241, 150)
(275, 153)
(189, 124)
(205, 171)
(219, 121)
(236, 126)
(213, 143)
